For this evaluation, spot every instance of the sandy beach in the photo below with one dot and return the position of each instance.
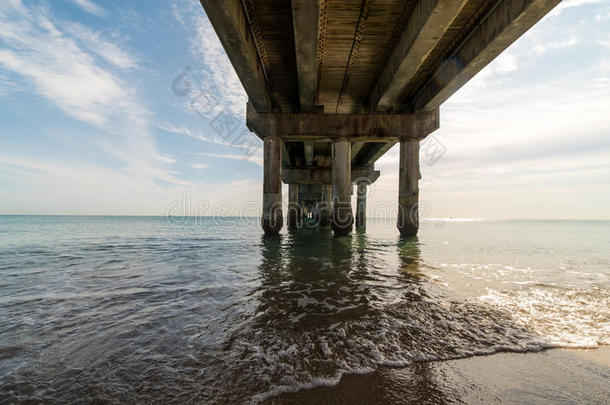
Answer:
(555, 376)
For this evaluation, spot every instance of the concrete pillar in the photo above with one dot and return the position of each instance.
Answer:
(408, 187)
(272, 220)
(342, 217)
(294, 209)
(361, 205)
(324, 206)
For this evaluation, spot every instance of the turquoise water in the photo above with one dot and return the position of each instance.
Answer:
(141, 309)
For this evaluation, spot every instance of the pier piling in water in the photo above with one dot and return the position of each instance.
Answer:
(272, 220)
(342, 217)
(294, 208)
(361, 205)
(408, 187)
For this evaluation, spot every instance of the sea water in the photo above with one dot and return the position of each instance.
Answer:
(204, 310)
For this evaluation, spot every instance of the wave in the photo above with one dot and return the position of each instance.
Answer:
(565, 317)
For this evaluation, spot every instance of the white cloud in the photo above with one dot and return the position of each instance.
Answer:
(216, 140)
(166, 159)
(246, 158)
(217, 75)
(68, 187)
(36, 49)
(90, 7)
(182, 130)
(199, 166)
(8, 85)
(542, 47)
(604, 41)
(107, 50)
(505, 63)
(566, 4)
(47, 186)
(57, 60)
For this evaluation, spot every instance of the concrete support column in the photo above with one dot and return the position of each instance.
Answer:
(272, 220)
(408, 187)
(324, 206)
(294, 209)
(361, 205)
(342, 217)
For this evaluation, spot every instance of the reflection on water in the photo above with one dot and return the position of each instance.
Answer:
(101, 310)
(328, 306)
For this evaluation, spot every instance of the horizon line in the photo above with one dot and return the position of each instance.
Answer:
(455, 219)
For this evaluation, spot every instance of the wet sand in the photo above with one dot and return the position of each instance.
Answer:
(556, 376)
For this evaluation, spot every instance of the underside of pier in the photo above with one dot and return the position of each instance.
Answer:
(334, 84)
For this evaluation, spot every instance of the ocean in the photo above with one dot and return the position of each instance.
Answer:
(122, 309)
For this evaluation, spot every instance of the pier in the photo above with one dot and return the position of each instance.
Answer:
(334, 84)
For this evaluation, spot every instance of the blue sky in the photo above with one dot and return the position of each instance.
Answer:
(93, 120)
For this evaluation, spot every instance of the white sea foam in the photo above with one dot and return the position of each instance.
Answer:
(574, 318)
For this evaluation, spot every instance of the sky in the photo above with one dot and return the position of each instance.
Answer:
(132, 108)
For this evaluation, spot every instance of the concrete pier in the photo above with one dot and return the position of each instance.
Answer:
(408, 187)
(361, 205)
(294, 208)
(271, 219)
(333, 85)
(342, 217)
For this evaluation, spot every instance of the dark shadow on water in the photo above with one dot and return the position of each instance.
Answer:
(338, 301)
(322, 295)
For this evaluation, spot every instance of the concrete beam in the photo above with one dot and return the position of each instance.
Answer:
(305, 16)
(229, 21)
(356, 146)
(380, 152)
(355, 127)
(323, 175)
(426, 26)
(501, 27)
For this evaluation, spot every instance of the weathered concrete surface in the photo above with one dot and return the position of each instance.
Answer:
(323, 175)
(355, 127)
(272, 219)
(308, 152)
(408, 188)
(427, 24)
(305, 14)
(361, 205)
(347, 57)
(294, 208)
(356, 147)
(379, 152)
(342, 217)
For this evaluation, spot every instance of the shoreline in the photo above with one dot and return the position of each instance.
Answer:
(549, 376)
